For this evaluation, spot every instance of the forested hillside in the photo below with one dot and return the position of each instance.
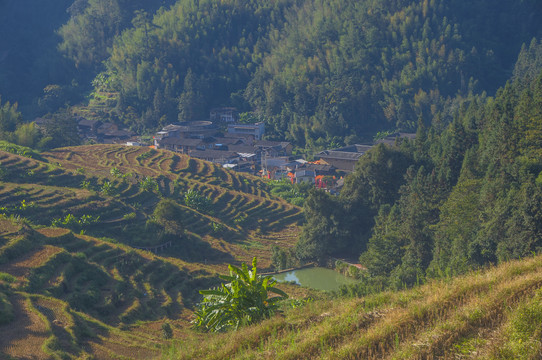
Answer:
(319, 73)
(103, 248)
(460, 196)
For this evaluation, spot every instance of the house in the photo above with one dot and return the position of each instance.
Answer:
(106, 127)
(187, 130)
(88, 128)
(345, 158)
(319, 169)
(229, 141)
(41, 122)
(341, 160)
(246, 163)
(275, 162)
(257, 130)
(170, 130)
(181, 145)
(304, 176)
(394, 139)
(285, 170)
(224, 114)
(220, 143)
(115, 136)
(246, 138)
(275, 148)
(197, 129)
(247, 151)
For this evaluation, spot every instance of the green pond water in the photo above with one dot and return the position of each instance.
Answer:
(316, 278)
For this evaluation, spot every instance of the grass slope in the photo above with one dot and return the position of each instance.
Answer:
(491, 314)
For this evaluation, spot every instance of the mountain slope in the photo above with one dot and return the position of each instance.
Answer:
(114, 191)
(72, 295)
(491, 314)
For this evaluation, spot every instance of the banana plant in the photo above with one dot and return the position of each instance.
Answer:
(247, 298)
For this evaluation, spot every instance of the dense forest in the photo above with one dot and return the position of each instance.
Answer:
(460, 196)
(104, 245)
(319, 73)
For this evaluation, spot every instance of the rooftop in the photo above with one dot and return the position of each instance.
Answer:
(342, 155)
(179, 141)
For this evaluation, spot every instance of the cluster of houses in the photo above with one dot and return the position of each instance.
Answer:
(104, 132)
(241, 147)
(236, 146)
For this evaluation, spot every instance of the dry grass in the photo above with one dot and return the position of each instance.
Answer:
(474, 316)
(24, 337)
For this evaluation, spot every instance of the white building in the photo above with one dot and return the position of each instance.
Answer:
(257, 130)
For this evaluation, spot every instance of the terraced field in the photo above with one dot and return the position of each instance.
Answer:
(105, 181)
(73, 295)
(88, 269)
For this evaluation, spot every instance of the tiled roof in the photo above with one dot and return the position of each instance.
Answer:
(179, 141)
(342, 155)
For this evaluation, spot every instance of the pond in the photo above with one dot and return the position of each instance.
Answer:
(316, 278)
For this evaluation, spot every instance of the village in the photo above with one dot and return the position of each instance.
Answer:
(241, 147)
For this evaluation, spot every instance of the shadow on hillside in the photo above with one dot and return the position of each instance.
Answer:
(192, 249)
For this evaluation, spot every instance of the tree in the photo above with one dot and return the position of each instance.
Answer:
(61, 130)
(169, 214)
(10, 117)
(27, 135)
(244, 300)
(89, 33)
(191, 100)
(322, 234)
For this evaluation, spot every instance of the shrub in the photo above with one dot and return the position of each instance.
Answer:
(20, 150)
(146, 155)
(7, 277)
(168, 214)
(108, 188)
(218, 228)
(167, 331)
(115, 172)
(74, 223)
(85, 185)
(197, 201)
(17, 247)
(242, 301)
(240, 219)
(129, 216)
(148, 184)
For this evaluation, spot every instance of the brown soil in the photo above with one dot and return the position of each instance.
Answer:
(21, 268)
(53, 232)
(110, 347)
(7, 227)
(24, 336)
